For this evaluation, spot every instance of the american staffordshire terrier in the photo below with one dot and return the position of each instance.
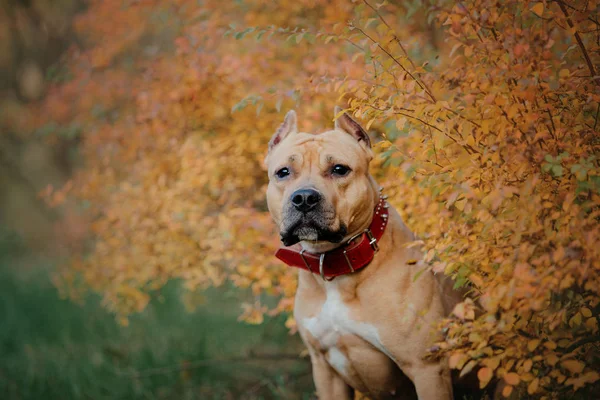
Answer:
(366, 320)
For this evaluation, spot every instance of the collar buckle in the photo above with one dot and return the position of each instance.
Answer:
(348, 261)
(372, 240)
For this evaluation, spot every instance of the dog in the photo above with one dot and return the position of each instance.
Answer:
(364, 316)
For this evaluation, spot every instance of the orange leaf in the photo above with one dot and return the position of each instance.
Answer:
(485, 374)
(533, 386)
(538, 9)
(574, 366)
(512, 378)
(533, 344)
(457, 360)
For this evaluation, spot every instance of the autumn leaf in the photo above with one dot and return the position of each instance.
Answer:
(533, 386)
(574, 366)
(538, 9)
(484, 374)
(457, 360)
(533, 344)
(512, 378)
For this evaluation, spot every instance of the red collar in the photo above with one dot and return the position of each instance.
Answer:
(357, 253)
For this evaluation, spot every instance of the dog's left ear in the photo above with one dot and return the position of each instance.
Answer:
(345, 123)
(289, 125)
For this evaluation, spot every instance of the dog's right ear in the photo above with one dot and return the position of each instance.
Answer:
(289, 125)
(348, 125)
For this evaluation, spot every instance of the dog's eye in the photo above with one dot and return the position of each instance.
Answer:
(282, 173)
(340, 170)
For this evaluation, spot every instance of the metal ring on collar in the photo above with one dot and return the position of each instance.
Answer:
(321, 262)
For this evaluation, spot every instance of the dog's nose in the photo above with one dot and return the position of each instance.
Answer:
(305, 199)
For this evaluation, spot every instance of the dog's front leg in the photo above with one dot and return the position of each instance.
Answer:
(329, 384)
(432, 381)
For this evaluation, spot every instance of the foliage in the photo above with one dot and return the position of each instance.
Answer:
(487, 114)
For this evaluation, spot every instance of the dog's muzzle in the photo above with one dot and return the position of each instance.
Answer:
(308, 217)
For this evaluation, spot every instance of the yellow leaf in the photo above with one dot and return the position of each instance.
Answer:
(551, 359)
(382, 145)
(575, 321)
(533, 344)
(538, 9)
(591, 324)
(369, 123)
(492, 363)
(586, 312)
(550, 345)
(533, 386)
(574, 366)
(507, 390)
(468, 368)
(457, 360)
(512, 110)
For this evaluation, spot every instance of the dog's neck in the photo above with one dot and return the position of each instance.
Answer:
(316, 247)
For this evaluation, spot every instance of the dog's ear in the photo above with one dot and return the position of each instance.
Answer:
(345, 123)
(288, 126)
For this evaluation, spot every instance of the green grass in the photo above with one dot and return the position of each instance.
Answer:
(51, 348)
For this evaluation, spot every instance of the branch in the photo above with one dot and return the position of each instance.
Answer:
(396, 61)
(377, 61)
(567, 5)
(578, 39)
(390, 28)
(410, 60)
(460, 116)
(585, 340)
(467, 147)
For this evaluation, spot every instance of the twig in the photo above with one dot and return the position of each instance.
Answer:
(579, 41)
(565, 4)
(411, 62)
(396, 61)
(579, 343)
(378, 62)
(390, 28)
(462, 117)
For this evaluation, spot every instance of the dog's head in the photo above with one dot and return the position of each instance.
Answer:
(320, 189)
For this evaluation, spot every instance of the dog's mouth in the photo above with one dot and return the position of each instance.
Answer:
(309, 229)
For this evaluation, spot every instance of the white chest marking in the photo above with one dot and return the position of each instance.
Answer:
(337, 360)
(334, 321)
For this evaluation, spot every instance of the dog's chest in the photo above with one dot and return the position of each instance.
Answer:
(335, 319)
